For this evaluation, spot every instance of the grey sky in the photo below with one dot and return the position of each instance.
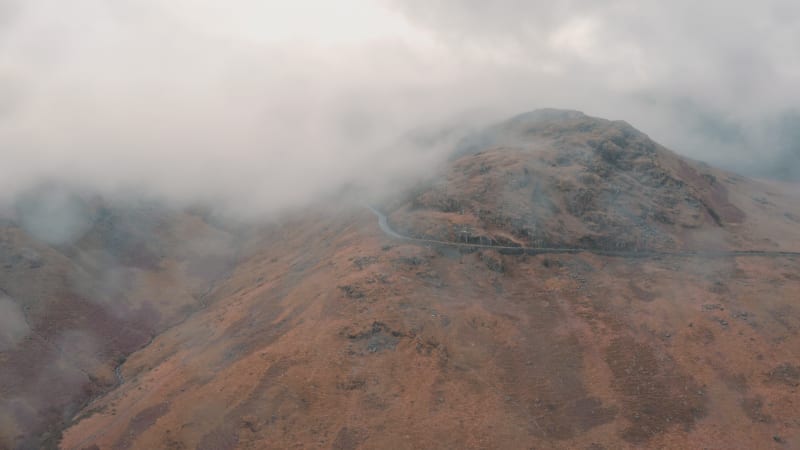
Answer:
(269, 103)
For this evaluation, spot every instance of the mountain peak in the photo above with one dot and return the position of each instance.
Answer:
(562, 178)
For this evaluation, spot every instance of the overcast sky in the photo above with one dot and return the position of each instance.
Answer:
(268, 103)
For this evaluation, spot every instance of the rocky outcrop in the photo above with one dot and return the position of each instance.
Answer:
(561, 178)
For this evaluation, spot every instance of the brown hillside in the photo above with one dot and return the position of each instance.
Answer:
(330, 334)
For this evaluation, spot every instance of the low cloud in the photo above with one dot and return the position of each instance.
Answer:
(261, 105)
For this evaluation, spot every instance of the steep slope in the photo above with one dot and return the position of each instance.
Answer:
(333, 334)
(83, 285)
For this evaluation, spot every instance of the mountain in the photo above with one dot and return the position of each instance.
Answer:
(661, 315)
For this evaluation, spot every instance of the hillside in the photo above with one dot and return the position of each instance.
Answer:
(325, 331)
(83, 284)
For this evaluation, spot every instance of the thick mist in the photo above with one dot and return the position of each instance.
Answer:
(260, 106)
(112, 113)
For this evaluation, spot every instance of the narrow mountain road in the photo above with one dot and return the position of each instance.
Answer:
(383, 223)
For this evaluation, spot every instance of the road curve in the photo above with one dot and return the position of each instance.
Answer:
(383, 223)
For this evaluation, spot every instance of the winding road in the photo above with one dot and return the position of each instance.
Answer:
(383, 223)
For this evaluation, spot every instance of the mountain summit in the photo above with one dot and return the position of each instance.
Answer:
(557, 178)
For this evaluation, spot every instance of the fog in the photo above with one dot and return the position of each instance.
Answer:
(258, 105)
(13, 327)
(250, 108)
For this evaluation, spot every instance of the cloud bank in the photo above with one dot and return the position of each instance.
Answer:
(263, 105)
